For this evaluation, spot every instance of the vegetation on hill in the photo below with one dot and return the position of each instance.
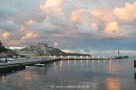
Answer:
(42, 49)
(5, 52)
(2, 48)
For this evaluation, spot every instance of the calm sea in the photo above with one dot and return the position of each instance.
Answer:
(74, 75)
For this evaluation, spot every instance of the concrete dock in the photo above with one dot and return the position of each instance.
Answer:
(21, 63)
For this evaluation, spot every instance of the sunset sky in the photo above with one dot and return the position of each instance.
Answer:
(70, 24)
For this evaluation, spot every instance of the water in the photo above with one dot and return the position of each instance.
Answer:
(75, 75)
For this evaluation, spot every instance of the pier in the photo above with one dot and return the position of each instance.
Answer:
(21, 63)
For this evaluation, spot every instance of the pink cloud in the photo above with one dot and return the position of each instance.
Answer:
(30, 21)
(112, 29)
(52, 6)
(77, 16)
(30, 35)
(6, 35)
(56, 44)
(126, 13)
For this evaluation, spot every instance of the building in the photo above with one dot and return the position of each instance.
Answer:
(39, 49)
(43, 44)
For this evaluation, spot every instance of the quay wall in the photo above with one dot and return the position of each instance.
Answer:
(20, 64)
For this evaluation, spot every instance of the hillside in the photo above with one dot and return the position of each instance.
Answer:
(5, 52)
(42, 49)
(2, 48)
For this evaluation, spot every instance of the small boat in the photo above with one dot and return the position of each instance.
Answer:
(40, 65)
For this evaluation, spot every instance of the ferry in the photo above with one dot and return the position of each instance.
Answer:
(121, 56)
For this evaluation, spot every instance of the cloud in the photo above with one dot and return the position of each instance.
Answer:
(13, 43)
(5, 35)
(7, 11)
(30, 21)
(126, 13)
(52, 6)
(86, 22)
(22, 28)
(8, 25)
(102, 16)
(112, 29)
(55, 44)
(78, 16)
(30, 35)
(66, 21)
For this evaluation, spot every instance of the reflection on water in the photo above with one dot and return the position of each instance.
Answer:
(95, 74)
(68, 63)
(113, 83)
(3, 78)
(27, 75)
(75, 62)
(87, 63)
(61, 62)
(135, 75)
(81, 62)
(112, 67)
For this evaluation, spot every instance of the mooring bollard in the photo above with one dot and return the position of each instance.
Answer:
(135, 63)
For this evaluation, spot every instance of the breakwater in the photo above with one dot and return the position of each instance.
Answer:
(21, 63)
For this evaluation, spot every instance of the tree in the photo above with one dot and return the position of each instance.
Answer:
(2, 48)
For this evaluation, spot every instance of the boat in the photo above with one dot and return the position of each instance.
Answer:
(40, 65)
(121, 56)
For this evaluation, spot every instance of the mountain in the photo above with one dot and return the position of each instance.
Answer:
(42, 49)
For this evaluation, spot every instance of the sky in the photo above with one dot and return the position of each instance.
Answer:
(69, 24)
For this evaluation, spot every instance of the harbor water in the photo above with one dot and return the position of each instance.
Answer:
(74, 75)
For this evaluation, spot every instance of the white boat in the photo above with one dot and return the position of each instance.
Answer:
(40, 65)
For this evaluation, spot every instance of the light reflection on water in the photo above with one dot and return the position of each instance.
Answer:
(113, 83)
(97, 74)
